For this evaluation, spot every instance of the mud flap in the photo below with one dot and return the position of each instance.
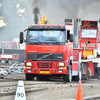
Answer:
(77, 73)
(74, 68)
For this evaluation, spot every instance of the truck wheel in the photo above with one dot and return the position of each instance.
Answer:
(2, 76)
(3, 61)
(10, 61)
(68, 77)
(29, 77)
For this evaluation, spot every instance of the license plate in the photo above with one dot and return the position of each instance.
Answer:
(87, 52)
(44, 72)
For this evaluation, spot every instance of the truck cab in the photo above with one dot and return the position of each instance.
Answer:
(48, 51)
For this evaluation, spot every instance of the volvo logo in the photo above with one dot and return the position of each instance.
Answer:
(44, 56)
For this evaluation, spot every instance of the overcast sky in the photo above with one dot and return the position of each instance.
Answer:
(17, 15)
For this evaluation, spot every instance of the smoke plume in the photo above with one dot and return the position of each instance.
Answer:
(36, 13)
(37, 6)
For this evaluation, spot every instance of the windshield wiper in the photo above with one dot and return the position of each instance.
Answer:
(53, 40)
(36, 40)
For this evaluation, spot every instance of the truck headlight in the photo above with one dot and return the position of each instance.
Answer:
(61, 64)
(28, 63)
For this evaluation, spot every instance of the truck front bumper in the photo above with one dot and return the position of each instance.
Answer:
(45, 71)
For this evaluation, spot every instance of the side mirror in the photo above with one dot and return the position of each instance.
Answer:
(21, 37)
(71, 38)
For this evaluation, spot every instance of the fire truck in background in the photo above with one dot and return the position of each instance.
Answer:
(10, 51)
(49, 55)
(10, 58)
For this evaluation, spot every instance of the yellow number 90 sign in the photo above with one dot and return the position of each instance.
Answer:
(86, 24)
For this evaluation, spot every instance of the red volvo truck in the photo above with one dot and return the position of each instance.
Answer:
(49, 50)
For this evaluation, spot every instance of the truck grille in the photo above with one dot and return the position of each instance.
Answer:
(44, 64)
(45, 56)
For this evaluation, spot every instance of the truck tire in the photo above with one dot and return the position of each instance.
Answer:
(2, 76)
(29, 77)
(10, 61)
(68, 76)
(3, 61)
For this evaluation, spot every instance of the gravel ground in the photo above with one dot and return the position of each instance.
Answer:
(54, 89)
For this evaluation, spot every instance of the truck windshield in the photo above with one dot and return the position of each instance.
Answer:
(56, 37)
(89, 33)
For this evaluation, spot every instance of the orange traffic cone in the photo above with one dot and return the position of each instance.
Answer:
(79, 92)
